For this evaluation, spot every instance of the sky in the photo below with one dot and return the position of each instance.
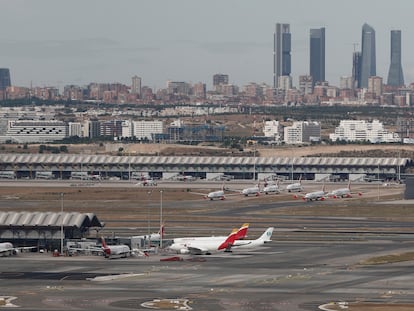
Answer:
(61, 42)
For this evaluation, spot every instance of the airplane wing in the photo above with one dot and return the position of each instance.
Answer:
(196, 250)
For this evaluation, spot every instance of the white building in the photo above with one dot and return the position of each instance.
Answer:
(361, 130)
(75, 129)
(302, 132)
(146, 129)
(273, 129)
(36, 131)
(285, 82)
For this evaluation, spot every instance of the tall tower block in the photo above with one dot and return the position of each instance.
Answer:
(395, 74)
(281, 52)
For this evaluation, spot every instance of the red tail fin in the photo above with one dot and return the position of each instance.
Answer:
(162, 231)
(103, 243)
(229, 241)
(242, 232)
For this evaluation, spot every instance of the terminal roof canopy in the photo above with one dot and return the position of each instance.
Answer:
(48, 219)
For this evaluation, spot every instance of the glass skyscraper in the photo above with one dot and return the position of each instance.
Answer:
(368, 58)
(281, 52)
(4, 78)
(317, 55)
(356, 69)
(395, 74)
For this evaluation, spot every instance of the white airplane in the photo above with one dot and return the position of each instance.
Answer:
(255, 190)
(295, 187)
(147, 182)
(314, 196)
(186, 177)
(217, 194)
(151, 237)
(7, 249)
(115, 251)
(208, 245)
(342, 192)
(271, 188)
(251, 244)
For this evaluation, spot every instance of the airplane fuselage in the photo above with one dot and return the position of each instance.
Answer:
(313, 196)
(116, 251)
(297, 187)
(271, 189)
(216, 195)
(250, 191)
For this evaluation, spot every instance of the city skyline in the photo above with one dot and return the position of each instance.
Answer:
(77, 42)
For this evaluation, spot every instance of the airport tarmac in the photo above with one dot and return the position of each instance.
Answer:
(318, 255)
(286, 275)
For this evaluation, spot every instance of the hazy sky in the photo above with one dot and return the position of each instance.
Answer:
(56, 42)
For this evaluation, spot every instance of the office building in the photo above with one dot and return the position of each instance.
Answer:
(317, 55)
(281, 53)
(306, 84)
(136, 85)
(219, 79)
(362, 130)
(284, 83)
(368, 58)
(4, 79)
(302, 132)
(356, 69)
(395, 74)
(375, 86)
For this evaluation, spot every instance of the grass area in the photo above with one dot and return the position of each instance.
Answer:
(392, 258)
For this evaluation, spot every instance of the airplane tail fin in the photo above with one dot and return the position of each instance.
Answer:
(242, 232)
(229, 241)
(104, 246)
(266, 236)
(161, 232)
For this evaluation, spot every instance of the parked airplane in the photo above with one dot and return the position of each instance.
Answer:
(342, 192)
(207, 245)
(115, 251)
(186, 177)
(271, 188)
(314, 196)
(295, 187)
(7, 249)
(217, 194)
(147, 182)
(251, 244)
(255, 190)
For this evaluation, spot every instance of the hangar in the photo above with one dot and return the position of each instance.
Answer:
(45, 229)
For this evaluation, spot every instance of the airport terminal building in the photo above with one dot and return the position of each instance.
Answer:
(78, 166)
(45, 230)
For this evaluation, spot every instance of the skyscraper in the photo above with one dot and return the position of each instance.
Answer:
(356, 69)
(368, 58)
(136, 85)
(317, 55)
(281, 52)
(4, 78)
(395, 74)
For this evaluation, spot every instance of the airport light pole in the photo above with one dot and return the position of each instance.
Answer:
(149, 218)
(378, 181)
(161, 191)
(61, 223)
